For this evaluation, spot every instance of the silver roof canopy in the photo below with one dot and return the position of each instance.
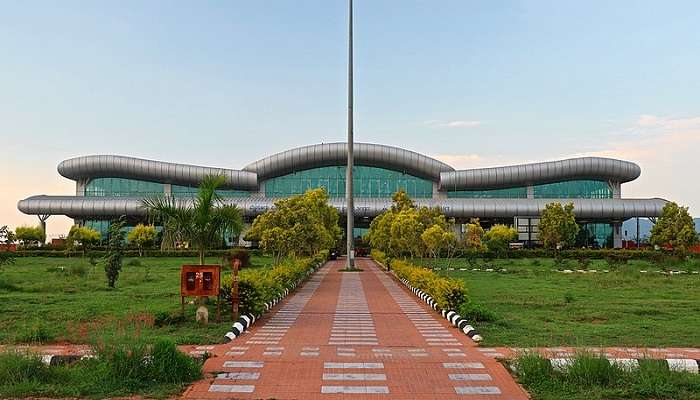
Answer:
(111, 207)
(329, 154)
(594, 168)
(110, 166)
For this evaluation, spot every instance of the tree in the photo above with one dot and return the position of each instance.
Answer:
(474, 234)
(30, 235)
(675, 227)
(398, 231)
(142, 236)
(202, 221)
(499, 237)
(438, 240)
(83, 237)
(300, 225)
(114, 255)
(7, 237)
(558, 227)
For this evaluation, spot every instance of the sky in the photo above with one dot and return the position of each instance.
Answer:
(472, 83)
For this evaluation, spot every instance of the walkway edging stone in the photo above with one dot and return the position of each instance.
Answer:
(245, 321)
(455, 319)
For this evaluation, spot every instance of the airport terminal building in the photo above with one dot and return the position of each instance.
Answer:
(109, 186)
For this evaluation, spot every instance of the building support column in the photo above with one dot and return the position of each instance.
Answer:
(617, 235)
(530, 192)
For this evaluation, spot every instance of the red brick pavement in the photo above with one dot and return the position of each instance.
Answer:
(379, 341)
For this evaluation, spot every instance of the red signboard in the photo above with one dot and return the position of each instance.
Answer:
(200, 280)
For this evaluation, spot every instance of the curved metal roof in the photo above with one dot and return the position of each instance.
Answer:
(109, 166)
(595, 168)
(329, 154)
(110, 207)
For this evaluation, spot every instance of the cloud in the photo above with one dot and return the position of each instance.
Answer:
(666, 148)
(453, 124)
(668, 151)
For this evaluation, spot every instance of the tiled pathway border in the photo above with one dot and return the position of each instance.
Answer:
(245, 321)
(452, 316)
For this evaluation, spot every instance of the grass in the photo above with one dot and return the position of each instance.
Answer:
(592, 377)
(66, 299)
(132, 367)
(531, 306)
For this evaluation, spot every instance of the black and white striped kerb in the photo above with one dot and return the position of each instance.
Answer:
(246, 321)
(454, 318)
(674, 364)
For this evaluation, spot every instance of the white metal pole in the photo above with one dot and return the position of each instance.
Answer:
(348, 174)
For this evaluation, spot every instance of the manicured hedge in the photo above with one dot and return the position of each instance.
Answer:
(98, 252)
(449, 293)
(256, 287)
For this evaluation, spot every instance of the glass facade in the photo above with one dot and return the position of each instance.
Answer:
(574, 190)
(188, 191)
(368, 182)
(120, 187)
(559, 190)
(595, 235)
(510, 193)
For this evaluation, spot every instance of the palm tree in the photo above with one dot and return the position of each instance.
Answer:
(202, 221)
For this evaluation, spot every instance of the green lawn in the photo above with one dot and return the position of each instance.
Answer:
(65, 299)
(534, 306)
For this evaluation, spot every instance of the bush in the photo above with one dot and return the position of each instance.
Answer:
(21, 368)
(380, 257)
(256, 287)
(135, 365)
(77, 270)
(473, 312)
(450, 294)
(241, 255)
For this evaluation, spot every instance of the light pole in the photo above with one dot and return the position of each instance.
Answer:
(348, 172)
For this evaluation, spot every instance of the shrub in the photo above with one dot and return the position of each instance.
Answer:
(449, 293)
(22, 368)
(134, 262)
(77, 270)
(259, 286)
(380, 257)
(533, 369)
(241, 255)
(616, 259)
(135, 365)
(589, 369)
(473, 312)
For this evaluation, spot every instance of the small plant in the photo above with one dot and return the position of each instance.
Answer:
(474, 312)
(19, 368)
(113, 258)
(617, 259)
(584, 262)
(588, 369)
(241, 255)
(134, 262)
(77, 270)
(568, 298)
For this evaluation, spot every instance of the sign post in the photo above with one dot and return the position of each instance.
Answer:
(234, 289)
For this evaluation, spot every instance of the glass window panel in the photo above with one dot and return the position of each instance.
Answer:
(367, 182)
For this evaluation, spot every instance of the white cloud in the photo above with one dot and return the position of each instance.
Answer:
(453, 124)
(666, 148)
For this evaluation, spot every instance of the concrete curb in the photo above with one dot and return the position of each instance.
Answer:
(245, 321)
(566, 271)
(674, 364)
(455, 319)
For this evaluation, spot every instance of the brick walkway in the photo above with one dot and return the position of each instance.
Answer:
(353, 335)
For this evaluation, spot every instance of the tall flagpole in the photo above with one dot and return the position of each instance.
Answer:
(348, 174)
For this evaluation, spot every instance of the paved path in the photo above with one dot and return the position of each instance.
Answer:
(353, 335)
